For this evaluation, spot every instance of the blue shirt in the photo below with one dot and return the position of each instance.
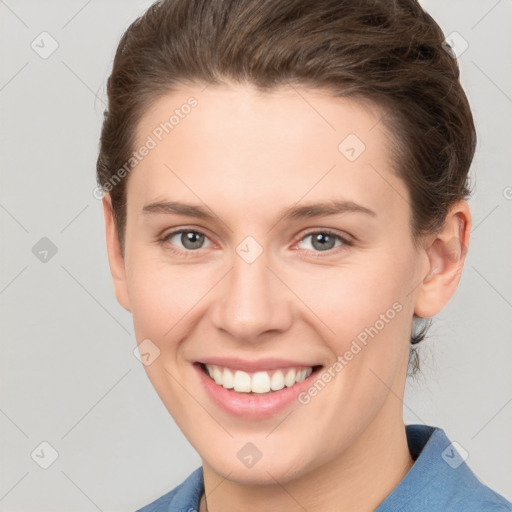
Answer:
(439, 480)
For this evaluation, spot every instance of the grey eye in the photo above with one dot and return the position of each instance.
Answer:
(190, 240)
(322, 241)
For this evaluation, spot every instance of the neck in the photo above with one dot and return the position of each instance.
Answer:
(359, 479)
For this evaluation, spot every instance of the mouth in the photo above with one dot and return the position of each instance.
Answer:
(260, 390)
(259, 382)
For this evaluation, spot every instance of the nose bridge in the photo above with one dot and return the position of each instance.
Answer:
(252, 300)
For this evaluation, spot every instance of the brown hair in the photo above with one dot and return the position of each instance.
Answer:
(390, 52)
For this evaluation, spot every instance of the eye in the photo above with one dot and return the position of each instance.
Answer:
(190, 240)
(325, 241)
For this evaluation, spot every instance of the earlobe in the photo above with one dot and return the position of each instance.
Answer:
(115, 256)
(446, 253)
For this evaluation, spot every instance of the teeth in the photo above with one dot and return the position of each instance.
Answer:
(289, 379)
(259, 382)
(277, 381)
(303, 374)
(227, 378)
(242, 382)
(217, 376)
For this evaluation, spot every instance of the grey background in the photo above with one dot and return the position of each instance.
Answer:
(68, 373)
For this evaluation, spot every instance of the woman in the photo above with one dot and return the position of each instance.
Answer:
(286, 188)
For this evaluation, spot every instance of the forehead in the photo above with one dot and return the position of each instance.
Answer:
(247, 150)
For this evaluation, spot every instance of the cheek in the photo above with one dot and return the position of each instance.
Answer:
(167, 300)
(160, 296)
(364, 314)
(162, 299)
(367, 314)
(347, 299)
(150, 298)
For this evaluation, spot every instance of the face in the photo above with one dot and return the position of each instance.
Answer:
(294, 251)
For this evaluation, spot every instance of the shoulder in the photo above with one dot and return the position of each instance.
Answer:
(440, 479)
(183, 498)
(469, 494)
(161, 504)
(457, 486)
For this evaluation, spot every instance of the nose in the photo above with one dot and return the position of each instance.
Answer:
(252, 301)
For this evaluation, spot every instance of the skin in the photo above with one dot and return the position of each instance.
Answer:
(246, 156)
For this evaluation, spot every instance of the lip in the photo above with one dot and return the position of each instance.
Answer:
(252, 406)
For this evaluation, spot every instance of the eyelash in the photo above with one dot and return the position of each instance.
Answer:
(164, 241)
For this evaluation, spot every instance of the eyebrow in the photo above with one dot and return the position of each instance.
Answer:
(308, 210)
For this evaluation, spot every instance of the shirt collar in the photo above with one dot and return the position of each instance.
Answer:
(189, 493)
(439, 478)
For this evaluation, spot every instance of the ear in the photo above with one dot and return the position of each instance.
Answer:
(115, 255)
(446, 254)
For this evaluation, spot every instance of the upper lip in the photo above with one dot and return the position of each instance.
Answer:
(237, 363)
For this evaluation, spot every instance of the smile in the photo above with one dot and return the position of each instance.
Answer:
(254, 389)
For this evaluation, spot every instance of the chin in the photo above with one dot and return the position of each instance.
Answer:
(266, 471)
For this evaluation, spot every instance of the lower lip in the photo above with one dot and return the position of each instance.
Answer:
(253, 405)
